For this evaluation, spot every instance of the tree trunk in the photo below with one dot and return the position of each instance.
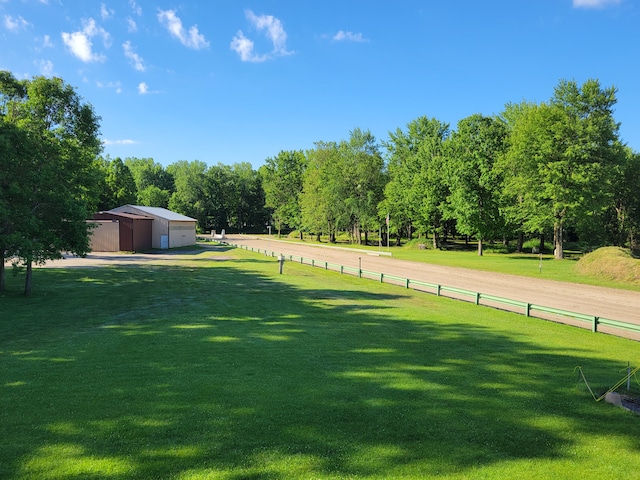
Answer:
(520, 244)
(541, 246)
(436, 239)
(2, 270)
(27, 281)
(479, 246)
(558, 254)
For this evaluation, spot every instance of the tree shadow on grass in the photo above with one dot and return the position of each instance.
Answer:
(169, 371)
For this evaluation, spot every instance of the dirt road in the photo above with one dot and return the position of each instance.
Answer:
(589, 300)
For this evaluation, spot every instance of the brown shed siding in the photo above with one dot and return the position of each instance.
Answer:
(104, 236)
(135, 230)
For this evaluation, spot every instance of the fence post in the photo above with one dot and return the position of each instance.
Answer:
(594, 325)
(438, 290)
(528, 310)
(477, 298)
(341, 269)
(381, 275)
(406, 283)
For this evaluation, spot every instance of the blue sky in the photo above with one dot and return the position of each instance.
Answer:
(231, 81)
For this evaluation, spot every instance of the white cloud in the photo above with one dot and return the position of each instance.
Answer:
(135, 59)
(115, 85)
(105, 12)
(135, 8)
(244, 47)
(132, 26)
(594, 3)
(191, 39)
(125, 141)
(15, 25)
(80, 42)
(343, 36)
(143, 88)
(274, 31)
(46, 67)
(46, 41)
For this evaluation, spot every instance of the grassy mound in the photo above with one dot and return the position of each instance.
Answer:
(611, 263)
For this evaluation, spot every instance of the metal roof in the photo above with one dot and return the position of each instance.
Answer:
(128, 215)
(160, 212)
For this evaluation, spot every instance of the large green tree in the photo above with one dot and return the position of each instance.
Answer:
(322, 203)
(282, 182)
(474, 183)
(416, 191)
(191, 196)
(119, 187)
(154, 184)
(562, 158)
(58, 174)
(360, 181)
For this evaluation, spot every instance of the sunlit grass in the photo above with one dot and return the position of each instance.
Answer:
(225, 369)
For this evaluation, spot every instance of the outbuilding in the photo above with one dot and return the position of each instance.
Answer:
(168, 229)
(134, 231)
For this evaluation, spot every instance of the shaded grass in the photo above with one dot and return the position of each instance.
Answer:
(224, 369)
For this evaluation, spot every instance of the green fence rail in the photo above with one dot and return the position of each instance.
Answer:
(517, 306)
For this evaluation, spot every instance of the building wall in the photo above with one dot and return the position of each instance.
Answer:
(181, 234)
(166, 233)
(142, 235)
(105, 237)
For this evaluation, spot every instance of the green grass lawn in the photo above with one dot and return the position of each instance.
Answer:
(219, 368)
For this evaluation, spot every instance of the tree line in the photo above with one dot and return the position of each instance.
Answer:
(535, 170)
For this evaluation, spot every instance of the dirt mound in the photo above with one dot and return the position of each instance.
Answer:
(612, 263)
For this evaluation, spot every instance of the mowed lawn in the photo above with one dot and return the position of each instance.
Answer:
(219, 368)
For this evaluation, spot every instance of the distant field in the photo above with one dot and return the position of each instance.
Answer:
(217, 367)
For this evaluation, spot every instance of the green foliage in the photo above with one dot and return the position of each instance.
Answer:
(562, 158)
(282, 182)
(416, 191)
(54, 174)
(474, 184)
(342, 186)
(119, 185)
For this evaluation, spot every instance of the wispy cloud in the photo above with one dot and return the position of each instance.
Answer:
(134, 58)
(125, 141)
(143, 88)
(80, 43)
(106, 13)
(116, 85)
(273, 30)
(15, 25)
(135, 8)
(343, 36)
(594, 3)
(46, 42)
(132, 26)
(191, 39)
(45, 66)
